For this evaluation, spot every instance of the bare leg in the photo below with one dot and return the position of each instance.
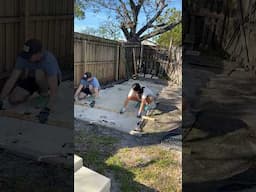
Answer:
(149, 100)
(130, 98)
(91, 89)
(82, 95)
(18, 95)
(41, 81)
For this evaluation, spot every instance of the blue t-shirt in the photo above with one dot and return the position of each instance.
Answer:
(94, 82)
(48, 64)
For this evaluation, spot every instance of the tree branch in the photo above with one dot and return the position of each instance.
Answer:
(158, 25)
(133, 5)
(151, 21)
(125, 31)
(160, 31)
(135, 11)
(125, 10)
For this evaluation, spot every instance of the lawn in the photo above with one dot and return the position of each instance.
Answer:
(133, 164)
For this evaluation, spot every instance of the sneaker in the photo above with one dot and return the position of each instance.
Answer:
(138, 129)
(92, 104)
(122, 110)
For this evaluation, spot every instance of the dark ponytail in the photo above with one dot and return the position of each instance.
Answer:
(136, 87)
(141, 90)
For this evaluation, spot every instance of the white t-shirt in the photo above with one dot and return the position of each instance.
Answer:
(146, 92)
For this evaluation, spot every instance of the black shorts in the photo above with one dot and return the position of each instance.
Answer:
(87, 91)
(30, 85)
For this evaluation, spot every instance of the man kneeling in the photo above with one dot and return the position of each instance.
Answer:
(36, 70)
(89, 86)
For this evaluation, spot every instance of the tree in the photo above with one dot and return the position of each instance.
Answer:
(175, 34)
(109, 30)
(105, 30)
(79, 8)
(128, 12)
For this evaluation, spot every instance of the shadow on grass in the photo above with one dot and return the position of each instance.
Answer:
(100, 158)
(28, 175)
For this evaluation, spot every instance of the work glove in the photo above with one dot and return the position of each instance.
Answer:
(137, 105)
(43, 115)
(122, 110)
(139, 115)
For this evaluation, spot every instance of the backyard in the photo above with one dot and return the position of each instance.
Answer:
(151, 162)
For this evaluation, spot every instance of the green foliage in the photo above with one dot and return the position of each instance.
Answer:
(175, 34)
(106, 30)
(79, 8)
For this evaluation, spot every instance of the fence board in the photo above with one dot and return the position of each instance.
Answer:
(111, 60)
(51, 21)
(97, 55)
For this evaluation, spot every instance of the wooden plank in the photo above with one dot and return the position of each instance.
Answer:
(26, 21)
(134, 61)
(5, 20)
(2, 47)
(117, 63)
(50, 18)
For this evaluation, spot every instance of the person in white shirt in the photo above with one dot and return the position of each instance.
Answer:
(142, 95)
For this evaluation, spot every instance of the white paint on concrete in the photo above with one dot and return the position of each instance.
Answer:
(108, 105)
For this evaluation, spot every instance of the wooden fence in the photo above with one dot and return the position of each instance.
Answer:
(51, 21)
(102, 57)
(151, 59)
(228, 27)
(111, 60)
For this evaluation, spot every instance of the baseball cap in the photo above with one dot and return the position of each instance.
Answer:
(87, 75)
(32, 46)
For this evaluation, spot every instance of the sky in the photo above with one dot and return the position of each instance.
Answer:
(94, 20)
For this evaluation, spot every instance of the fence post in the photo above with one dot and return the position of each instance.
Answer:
(123, 60)
(141, 55)
(26, 21)
(117, 63)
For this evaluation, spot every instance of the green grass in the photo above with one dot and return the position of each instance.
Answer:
(147, 168)
(151, 166)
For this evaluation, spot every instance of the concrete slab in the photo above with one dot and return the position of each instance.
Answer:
(108, 105)
(61, 116)
(78, 163)
(87, 180)
(37, 141)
